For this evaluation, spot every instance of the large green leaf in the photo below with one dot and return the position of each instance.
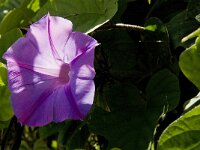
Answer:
(21, 16)
(189, 63)
(156, 43)
(86, 15)
(8, 39)
(5, 107)
(4, 124)
(182, 134)
(7, 5)
(119, 52)
(193, 8)
(163, 90)
(122, 5)
(192, 103)
(133, 115)
(180, 26)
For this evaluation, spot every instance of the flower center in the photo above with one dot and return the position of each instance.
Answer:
(64, 72)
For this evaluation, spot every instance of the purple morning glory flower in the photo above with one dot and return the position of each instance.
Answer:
(51, 73)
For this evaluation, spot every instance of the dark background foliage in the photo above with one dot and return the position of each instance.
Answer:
(140, 89)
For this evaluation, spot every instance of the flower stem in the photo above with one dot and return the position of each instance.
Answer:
(120, 26)
(127, 26)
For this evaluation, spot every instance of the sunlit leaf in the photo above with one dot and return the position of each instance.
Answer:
(21, 16)
(182, 134)
(198, 17)
(189, 63)
(5, 107)
(192, 102)
(86, 15)
(191, 35)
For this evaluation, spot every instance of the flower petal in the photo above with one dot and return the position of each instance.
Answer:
(42, 90)
(65, 106)
(83, 65)
(80, 54)
(25, 54)
(77, 44)
(43, 45)
(38, 99)
(50, 104)
(20, 77)
(41, 101)
(51, 33)
(83, 93)
(32, 105)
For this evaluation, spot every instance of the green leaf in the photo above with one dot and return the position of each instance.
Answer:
(120, 52)
(198, 17)
(188, 105)
(191, 35)
(193, 8)
(156, 43)
(4, 124)
(8, 39)
(86, 15)
(5, 107)
(21, 16)
(78, 139)
(159, 30)
(73, 134)
(49, 130)
(54, 128)
(189, 63)
(24, 146)
(182, 134)
(133, 115)
(180, 26)
(40, 144)
(115, 148)
(128, 92)
(7, 5)
(122, 5)
(163, 90)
